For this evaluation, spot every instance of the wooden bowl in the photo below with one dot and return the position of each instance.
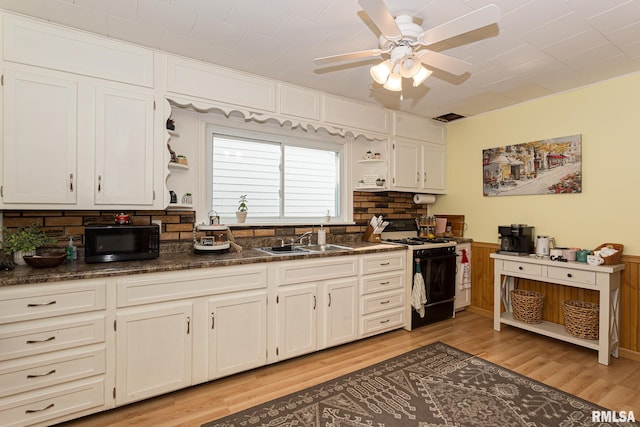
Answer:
(44, 261)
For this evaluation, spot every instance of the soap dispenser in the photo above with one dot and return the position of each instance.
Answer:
(71, 250)
(322, 235)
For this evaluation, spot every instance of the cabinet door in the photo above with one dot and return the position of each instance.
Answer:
(124, 147)
(297, 306)
(153, 351)
(237, 333)
(407, 164)
(40, 138)
(433, 161)
(340, 312)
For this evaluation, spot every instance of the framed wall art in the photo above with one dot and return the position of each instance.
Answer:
(547, 166)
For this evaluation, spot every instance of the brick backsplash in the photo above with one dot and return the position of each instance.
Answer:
(177, 226)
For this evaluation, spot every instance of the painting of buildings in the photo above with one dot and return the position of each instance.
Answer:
(548, 166)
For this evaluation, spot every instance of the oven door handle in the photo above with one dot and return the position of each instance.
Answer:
(436, 257)
(440, 302)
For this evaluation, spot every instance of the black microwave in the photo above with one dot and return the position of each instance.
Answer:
(126, 242)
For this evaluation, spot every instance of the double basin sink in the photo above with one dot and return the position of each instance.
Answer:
(299, 249)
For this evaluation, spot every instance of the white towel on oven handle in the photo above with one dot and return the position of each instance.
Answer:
(418, 291)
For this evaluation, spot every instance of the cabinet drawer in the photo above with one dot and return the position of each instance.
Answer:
(573, 276)
(159, 287)
(42, 336)
(56, 402)
(302, 271)
(54, 368)
(40, 301)
(382, 301)
(382, 282)
(388, 261)
(382, 322)
(524, 268)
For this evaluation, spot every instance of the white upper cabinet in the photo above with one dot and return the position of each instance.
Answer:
(418, 166)
(360, 115)
(40, 139)
(299, 102)
(420, 128)
(124, 147)
(207, 81)
(40, 44)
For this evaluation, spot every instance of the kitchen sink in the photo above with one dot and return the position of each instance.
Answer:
(298, 250)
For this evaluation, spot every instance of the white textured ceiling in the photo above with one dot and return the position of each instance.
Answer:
(539, 47)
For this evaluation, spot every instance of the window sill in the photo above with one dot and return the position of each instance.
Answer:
(288, 224)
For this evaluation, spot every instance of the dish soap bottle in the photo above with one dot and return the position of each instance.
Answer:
(71, 250)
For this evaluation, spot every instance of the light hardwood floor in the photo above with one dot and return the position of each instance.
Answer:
(565, 366)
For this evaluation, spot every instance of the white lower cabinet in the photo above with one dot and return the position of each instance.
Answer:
(237, 333)
(383, 302)
(154, 346)
(53, 351)
(463, 285)
(338, 312)
(297, 308)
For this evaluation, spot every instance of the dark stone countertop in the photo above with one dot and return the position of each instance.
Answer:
(74, 270)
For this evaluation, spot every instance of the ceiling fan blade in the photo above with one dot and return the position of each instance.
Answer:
(443, 62)
(345, 56)
(380, 15)
(479, 18)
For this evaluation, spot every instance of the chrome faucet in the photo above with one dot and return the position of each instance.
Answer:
(308, 235)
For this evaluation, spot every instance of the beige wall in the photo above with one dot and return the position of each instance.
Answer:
(608, 209)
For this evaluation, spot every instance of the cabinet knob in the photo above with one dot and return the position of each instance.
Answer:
(569, 275)
(521, 268)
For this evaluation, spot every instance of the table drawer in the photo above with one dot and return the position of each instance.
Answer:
(573, 276)
(56, 402)
(39, 301)
(524, 268)
(382, 322)
(44, 336)
(380, 263)
(382, 301)
(51, 369)
(382, 282)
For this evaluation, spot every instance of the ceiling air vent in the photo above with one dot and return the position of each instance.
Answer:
(448, 117)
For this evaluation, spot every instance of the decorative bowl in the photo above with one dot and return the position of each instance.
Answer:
(46, 260)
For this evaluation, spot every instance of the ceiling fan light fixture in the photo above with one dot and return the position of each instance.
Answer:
(421, 76)
(409, 66)
(394, 83)
(380, 73)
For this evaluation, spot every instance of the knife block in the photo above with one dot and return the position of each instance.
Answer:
(370, 236)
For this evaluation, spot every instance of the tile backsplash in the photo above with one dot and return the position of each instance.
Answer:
(177, 226)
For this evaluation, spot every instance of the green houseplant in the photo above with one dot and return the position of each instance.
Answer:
(241, 213)
(24, 241)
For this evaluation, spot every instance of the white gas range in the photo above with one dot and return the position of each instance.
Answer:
(435, 261)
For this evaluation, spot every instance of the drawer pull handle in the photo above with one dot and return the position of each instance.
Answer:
(31, 411)
(314, 302)
(213, 320)
(51, 372)
(384, 321)
(569, 275)
(385, 302)
(188, 325)
(39, 341)
(40, 304)
(385, 283)
(521, 268)
(329, 305)
(384, 263)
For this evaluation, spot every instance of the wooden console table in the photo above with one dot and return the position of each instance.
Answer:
(604, 279)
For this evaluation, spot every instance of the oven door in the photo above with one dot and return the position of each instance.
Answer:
(439, 273)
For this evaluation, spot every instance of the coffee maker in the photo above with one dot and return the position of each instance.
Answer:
(516, 239)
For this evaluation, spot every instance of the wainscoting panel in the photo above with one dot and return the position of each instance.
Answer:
(482, 293)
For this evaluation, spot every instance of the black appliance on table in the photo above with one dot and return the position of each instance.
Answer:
(437, 261)
(516, 239)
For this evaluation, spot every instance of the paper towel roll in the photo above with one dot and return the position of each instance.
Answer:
(424, 199)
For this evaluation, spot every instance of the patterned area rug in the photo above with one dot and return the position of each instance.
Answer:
(436, 385)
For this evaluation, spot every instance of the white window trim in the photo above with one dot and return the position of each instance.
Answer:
(238, 127)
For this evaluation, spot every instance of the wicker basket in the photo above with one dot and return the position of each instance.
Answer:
(615, 258)
(527, 305)
(581, 319)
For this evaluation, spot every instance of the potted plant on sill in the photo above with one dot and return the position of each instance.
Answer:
(241, 213)
(24, 241)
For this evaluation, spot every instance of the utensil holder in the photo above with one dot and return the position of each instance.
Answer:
(370, 236)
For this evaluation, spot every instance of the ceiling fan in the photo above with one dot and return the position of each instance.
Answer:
(407, 44)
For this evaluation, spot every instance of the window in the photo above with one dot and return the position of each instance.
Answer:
(285, 179)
